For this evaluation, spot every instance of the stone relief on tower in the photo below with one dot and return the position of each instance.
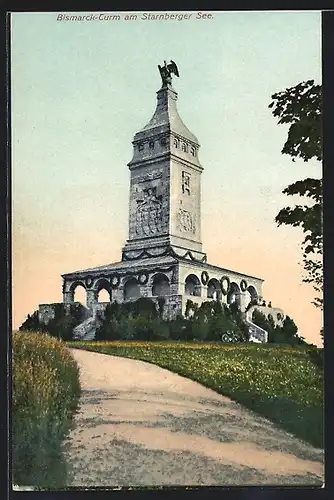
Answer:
(149, 213)
(186, 221)
(150, 176)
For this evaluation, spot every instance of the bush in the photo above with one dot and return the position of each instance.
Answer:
(161, 330)
(31, 323)
(143, 328)
(176, 328)
(45, 395)
(143, 307)
(197, 328)
(286, 334)
(109, 330)
(316, 355)
(220, 319)
(126, 329)
(141, 320)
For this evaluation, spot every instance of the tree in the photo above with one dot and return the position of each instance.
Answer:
(31, 323)
(301, 107)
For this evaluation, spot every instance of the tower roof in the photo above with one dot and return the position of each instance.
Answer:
(166, 117)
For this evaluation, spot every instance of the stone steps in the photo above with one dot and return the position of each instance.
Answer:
(86, 330)
(256, 334)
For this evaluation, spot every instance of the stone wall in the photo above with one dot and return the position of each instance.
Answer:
(173, 306)
(46, 312)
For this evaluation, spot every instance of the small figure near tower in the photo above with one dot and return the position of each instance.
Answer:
(166, 72)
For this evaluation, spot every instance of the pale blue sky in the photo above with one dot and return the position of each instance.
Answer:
(81, 90)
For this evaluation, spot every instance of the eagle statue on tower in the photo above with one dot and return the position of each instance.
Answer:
(166, 71)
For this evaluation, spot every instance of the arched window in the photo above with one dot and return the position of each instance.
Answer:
(252, 295)
(103, 291)
(193, 286)
(79, 293)
(131, 289)
(233, 294)
(160, 285)
(214, 290)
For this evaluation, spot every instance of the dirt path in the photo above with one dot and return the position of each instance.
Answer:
(141, 425)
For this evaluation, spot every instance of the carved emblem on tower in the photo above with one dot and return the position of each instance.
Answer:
(186, 221)
(149, 214)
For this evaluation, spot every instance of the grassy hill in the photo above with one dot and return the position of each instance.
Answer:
(279, 382)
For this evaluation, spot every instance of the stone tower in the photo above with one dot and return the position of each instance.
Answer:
(163, 256)
(165, 185)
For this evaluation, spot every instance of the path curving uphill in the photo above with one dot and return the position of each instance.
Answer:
(142, 425)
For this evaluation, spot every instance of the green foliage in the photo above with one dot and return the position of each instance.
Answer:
(191, 308)
(301, 107)
(140, 320)
(45, 395)
(286, 334)
(316, 355)
(278, 382)
(177, 328)
(161, 305)
(31, 323)
(143, 307)
(260, 320)
(197, 328)
(212, 319)
(61, 326)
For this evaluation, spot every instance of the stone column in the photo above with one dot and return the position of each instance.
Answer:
(118, 295)
(242, 300)
(68, 298)
(91, 300)
(145, 291)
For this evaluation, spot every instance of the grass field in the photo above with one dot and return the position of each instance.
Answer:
(45, 396)
(276, 381)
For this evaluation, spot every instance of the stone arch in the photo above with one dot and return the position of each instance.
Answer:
(214, 290)
(78, 292)
(101, 287)
(160, 285)
(233, 294)
(251, 296)
(192, 285)
(254, 296)
(131, 289)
